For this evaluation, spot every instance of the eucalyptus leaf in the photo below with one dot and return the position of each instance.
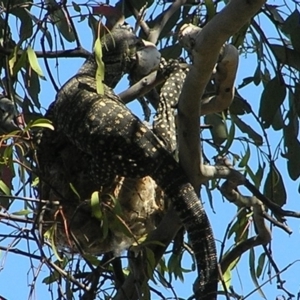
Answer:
(32, 84)
(218, 130)
(274, 187)
(100, 67)
(253, 273)
(33, 61)
(172, 51)
(260, 264)
(4, 188)
(42, 122)
(95, 204)
(59, 19)
(286, 56)
(245, 128)
(291, 27)
(271, 99)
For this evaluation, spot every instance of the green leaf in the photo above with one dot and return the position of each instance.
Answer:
(35, 182)
(32, 84)
(250, 173)
(286, 56)
(100, 67)
(210, 196)
(239, 37)
(92, 259)
(278, 122)
(253, 135)
(146, 295)
(260, 265)
(274, 187)
(230, 139)
(76, 7)
(93, 24)
(227, 278)
(239, 106)
(292, 154)
(257, 76)
(174, 266)
(59, 19)
(293, 163)
(271, 99)
(20, 9)
(42, 122)
(218, 130)
(258, 176)
(95, 204)
(274, 10)
(296, 97)
(119, 225)
(252, 272)
(240, 228)
(52, 278)
(56, 275)
(20, 62)
(74, 190)
(50, 235)
(44, 31)
(172, 51)
(4, 188)
(291, 27)
(245, 158)
(13, 59)
(292, 145)
(33, 61)
(246, 81)
(150, 263)
(23, 212)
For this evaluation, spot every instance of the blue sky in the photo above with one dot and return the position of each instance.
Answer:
(15, 277)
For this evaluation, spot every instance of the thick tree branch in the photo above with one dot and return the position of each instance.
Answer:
(205, 47)
(224, 80)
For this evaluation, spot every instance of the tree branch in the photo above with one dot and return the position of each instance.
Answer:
(205, 47)
(162, 19)
(76, 52)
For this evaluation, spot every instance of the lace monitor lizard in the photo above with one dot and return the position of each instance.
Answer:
(109, 141)
(118, 143)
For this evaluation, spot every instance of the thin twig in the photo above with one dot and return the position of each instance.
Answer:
(76, 52)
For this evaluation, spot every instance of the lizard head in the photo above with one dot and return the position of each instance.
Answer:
(124, 53)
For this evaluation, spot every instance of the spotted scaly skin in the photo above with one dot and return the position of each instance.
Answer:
(118, 143)
(61, 164)
(164, 120)
(97, 138)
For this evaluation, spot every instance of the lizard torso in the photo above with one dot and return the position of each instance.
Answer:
(106, 140)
